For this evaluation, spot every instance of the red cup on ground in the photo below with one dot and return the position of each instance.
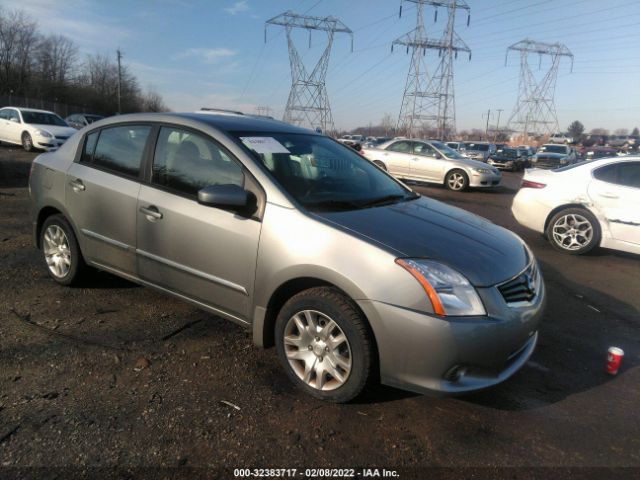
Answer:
(614, 358)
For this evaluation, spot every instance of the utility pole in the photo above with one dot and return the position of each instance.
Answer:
(486, 129)
(119, 82)
(495, 135)
(263, 111)
(308, 100)
(428, 102)
(535, 109)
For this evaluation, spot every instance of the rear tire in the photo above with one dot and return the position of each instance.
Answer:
(61, 252)
(324, 344)
(27, 142)
(380, 164)
(574, 231)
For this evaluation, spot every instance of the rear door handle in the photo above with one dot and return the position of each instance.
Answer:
(77, 186)
(151, 212)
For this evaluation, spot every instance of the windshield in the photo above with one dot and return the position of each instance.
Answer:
(41, 118)
(553, 149)
(509, 152)
(93, 118)
(322, 174)
(447, 151)
(479, 147)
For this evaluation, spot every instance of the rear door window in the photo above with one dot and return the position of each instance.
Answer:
(120, 149)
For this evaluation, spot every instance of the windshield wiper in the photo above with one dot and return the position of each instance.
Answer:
(393, 198)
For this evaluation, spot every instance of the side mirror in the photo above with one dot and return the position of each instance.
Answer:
(224, 196)
(14, 120)
(437, 156)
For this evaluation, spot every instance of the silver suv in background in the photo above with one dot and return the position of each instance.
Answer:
(479, 150)
(432, 161)
(299, 239)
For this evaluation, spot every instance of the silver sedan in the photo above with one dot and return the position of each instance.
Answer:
(434, 162)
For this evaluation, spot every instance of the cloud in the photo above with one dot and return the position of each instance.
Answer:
(238, 7)
(206, 55)
(54, 16)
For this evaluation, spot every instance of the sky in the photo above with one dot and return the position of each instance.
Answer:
(212, 53)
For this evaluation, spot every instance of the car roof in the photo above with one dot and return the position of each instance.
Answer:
(230, 122)
(35, 110)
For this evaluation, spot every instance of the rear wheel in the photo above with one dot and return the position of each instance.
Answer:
(456, 180)
(324, 344)
(61, 251)
(27, 142)
(574, 230)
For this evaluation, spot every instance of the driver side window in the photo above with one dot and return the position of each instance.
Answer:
(187, 162)
(423, 150)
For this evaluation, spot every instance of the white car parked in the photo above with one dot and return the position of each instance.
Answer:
(33, 129)
(582, 206)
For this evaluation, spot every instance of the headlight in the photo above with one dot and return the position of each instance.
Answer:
(449, 292)
(43, 133)
(482, 170)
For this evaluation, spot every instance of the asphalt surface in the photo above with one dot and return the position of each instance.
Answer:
(117, 376)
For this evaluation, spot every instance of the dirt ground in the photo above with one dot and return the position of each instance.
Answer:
(113, 378)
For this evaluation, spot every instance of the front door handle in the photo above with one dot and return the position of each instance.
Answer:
(415, 159)
(77, 185)
(608, 195)
(151, 212)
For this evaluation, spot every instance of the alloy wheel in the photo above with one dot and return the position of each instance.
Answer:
(456, 181)
(572, 231)
(317, 350)
(57, 252)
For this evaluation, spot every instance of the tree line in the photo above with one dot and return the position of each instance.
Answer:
(50, 68)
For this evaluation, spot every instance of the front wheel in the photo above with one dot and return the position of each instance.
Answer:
(380, 164)
(324, 344)
(27, 142)
(574, 231)
(457, 180)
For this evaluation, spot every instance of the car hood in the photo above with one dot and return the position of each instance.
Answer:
(468, 162)
(424, 228)
(55, 130)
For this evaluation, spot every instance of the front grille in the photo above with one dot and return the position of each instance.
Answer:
(523, 288)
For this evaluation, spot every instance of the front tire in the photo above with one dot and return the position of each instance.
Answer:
(60, 250)
(27, 142)
(457, 180)
(574, 230)
(324, 344)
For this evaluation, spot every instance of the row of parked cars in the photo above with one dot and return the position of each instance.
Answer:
(39, 129)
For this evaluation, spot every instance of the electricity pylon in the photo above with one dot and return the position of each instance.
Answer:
(535, 111)
(308, 100)
(428, 103)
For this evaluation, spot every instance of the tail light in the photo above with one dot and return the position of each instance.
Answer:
(530, 184)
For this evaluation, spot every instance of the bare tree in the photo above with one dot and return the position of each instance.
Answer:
(18, 38)
(152, 101)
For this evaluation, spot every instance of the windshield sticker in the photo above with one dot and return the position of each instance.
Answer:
(264, 144)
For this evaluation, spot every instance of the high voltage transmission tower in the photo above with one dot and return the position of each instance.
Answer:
(308, 99)
(428, 103)
(535, 111)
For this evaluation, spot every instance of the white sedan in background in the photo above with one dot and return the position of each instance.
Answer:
(33, 129)
(585, 205)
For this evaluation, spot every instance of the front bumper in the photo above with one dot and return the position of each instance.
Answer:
(47, 143)
(426, 353)
(484, 179)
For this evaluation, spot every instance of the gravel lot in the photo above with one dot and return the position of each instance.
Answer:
(113, 375)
